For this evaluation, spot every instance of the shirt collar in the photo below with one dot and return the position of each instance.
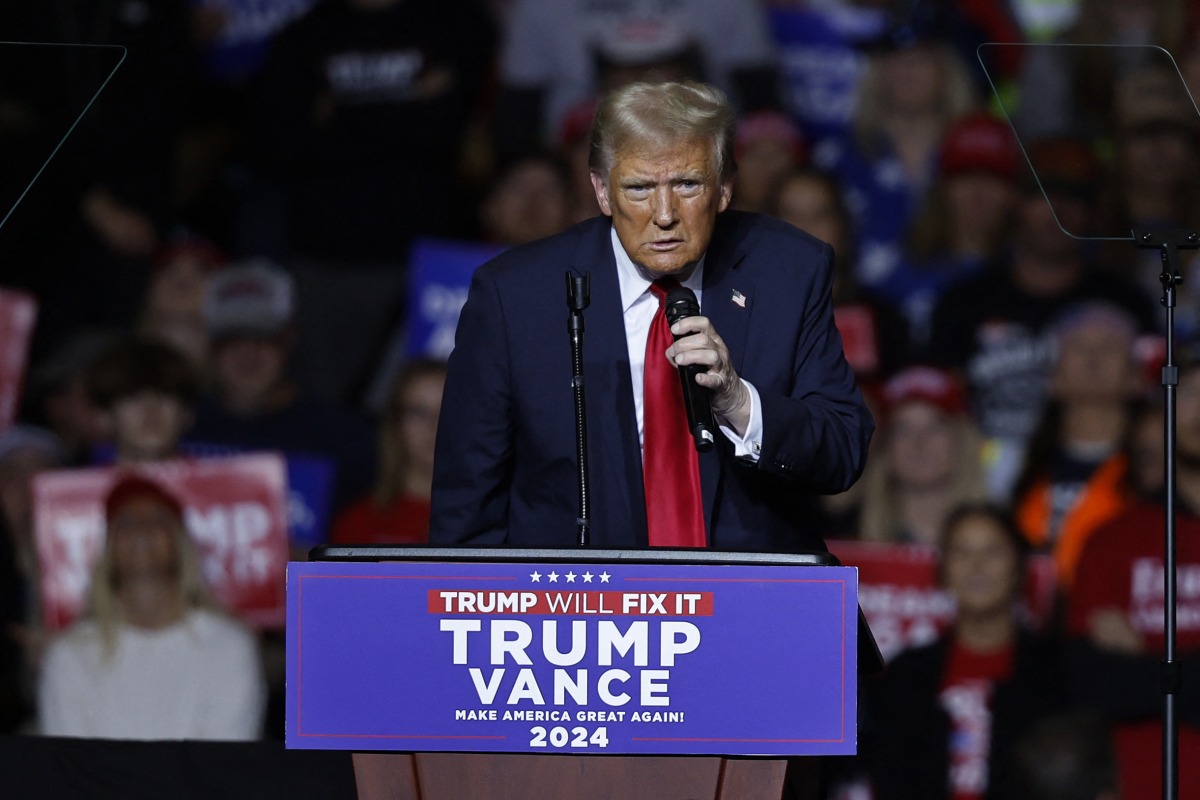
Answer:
(634, 284)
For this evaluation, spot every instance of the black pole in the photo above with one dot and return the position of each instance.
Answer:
(1168, 245)
(579, 295)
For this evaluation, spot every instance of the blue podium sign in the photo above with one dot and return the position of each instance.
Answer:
(603, 658)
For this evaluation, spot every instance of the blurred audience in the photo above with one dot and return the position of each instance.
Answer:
(1066, 86)
(1067, 756)
(25, 452)
(397, 509)
(965, 222)
(993, 327)
(575, 147)
(145, 391)
(155, 658)
(913, 87)
(767, 147)
(254, 404)
(1115, 616)
(874, 335)
(109, 191)
(1151, 181)
(926, 461)
(1076, 471)
(529, 200)
(57, 395)
(360, 124)
(557, 54)
(951, 713)
(173, 309)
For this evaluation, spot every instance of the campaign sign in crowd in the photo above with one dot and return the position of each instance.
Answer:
(572, 658)
(904, 600)
(234, 507)
(17, 314)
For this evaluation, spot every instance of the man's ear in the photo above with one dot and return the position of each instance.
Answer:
(726, 194)
(601, 188)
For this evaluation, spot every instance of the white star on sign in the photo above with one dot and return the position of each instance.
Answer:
(553, 576)
(570, 577)
(587, 577)
(604, 576)
(535, 576)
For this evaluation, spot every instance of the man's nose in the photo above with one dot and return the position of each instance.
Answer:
(664, 207)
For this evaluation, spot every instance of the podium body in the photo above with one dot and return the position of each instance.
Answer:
(571, 673)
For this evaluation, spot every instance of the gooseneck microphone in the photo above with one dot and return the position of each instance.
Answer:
(681, 302)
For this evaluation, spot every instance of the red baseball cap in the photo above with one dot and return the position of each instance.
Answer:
(924, 384)
(980, 143)
(134, 487)
(770, 126)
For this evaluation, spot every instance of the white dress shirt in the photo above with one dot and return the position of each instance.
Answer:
(639, 307)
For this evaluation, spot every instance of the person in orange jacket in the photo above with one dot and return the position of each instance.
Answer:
(1076, 474)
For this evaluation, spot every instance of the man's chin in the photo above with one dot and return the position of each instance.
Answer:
(662, 268)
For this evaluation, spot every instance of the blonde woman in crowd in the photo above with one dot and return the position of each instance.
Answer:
(927, 462)
(155, 658)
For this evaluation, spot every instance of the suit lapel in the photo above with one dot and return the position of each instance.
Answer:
(728, 301)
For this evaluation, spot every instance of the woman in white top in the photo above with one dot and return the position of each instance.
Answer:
(155, 659)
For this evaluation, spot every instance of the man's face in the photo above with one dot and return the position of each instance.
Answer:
(664, 201)
(248, 368)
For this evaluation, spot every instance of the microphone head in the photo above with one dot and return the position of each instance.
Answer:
(681, 302)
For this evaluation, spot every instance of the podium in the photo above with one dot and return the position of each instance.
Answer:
(509, 673)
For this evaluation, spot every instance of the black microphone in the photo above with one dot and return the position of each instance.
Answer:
(681, 302)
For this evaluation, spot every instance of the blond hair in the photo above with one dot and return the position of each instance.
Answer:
(659, 113)
(958, 97)
(104, 605)
(393, 458)
(878, 519)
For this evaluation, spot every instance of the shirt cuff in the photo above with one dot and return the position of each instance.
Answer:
(748, 447)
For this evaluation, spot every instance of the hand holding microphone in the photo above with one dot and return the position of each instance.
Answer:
(698, 344)
(682, 304)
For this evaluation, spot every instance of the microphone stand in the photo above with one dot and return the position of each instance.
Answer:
(1168, 244)
(579, 295)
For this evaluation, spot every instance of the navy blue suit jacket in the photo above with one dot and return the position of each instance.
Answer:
(505, 469)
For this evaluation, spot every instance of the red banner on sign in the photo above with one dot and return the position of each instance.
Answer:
(234, 507)
(18, 311)
(904, 604)
(856, 324)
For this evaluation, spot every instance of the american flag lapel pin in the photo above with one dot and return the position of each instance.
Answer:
(738, 299)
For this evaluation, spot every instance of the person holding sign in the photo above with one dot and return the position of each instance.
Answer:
(155, 659)
(770, 360)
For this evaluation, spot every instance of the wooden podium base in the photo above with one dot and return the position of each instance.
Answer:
(453, 776)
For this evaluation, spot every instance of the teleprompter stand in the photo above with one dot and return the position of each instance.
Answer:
(1168, 244)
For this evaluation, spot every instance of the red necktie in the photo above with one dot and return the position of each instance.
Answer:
(670, 465)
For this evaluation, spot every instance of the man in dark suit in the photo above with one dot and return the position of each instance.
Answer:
(791, 420)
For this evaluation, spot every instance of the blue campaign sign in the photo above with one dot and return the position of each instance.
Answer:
(310, 494)
(309, 489)
(821, 63)
(439, 275)
(596, 658)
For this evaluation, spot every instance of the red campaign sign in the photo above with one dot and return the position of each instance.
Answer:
(856, 324)
(899, 591)
(18, 311)
(235, 508)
